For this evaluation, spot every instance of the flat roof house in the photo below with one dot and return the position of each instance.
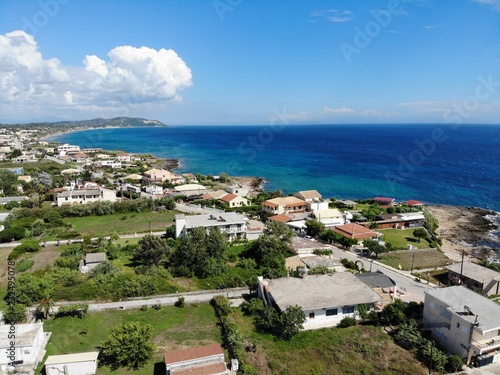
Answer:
(72, 364)
(231, 223)
(325, 299)
(29, 348)
(84, 196)
(475, 277)
(464, 323)
(91, 261)
(203, 360)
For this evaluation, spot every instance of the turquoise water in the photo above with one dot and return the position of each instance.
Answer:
(433, 163)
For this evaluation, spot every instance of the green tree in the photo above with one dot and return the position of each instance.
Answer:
(420, 233)
(8, 182)
(41, 184)
(314, 227)
(128, 345)
(45, 306)
(279, 230)
(152, 249)
(394, 312)
(15, 314)
(291, 322)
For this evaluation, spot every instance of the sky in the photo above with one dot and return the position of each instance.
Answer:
(224, 62)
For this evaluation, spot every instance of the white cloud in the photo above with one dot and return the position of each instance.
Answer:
(332, 15)
(338, 110)
(131, 78)
(495, 4)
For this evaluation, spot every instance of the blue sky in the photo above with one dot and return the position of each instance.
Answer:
(251, 61)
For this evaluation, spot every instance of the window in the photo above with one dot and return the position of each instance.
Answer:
(311, 315)
(348, 309)
(464, 329)
(458, 325)
(331, 312)
(433, 305)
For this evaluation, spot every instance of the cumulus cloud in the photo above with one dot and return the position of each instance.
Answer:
(338, 110)
(129, 76)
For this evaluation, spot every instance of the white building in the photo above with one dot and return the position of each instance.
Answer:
(231, 223)
(28, 349)
(72, 364)
(329, 217)
(69, 197)
(325, 299)
(239, 190)
(464, 323)
(66, 148)
(91, 261)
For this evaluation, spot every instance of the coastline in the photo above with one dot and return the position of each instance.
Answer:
(474, 230)
(46, 138)
(467, 229)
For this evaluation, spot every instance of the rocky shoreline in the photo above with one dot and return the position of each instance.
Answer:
(467, 229)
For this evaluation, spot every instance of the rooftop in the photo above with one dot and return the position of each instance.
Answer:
(456, 297)
(309, 194)
(95, 257)
(212, 220)
(474, 271)
(71, 358)
(189, 354)
(376, 280)
(321, 291)
(284, 201)
(354, 230)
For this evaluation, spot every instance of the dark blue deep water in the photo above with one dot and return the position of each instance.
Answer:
(433, 163)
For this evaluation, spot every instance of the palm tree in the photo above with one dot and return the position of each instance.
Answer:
(45, 306)
(41, 184)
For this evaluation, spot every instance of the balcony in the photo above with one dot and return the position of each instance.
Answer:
(484, 346)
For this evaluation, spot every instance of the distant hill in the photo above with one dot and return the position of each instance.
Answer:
(122, 122)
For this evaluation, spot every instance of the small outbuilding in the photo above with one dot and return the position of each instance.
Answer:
(72, 364)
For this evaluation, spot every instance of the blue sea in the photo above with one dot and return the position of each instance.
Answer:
(437, 164)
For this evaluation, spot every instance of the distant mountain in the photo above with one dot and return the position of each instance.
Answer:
(122, 122)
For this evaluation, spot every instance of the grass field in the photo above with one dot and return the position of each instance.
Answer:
(401, 238)
(173, 328)
(236, 249)
(121, 223)
(423, 259)
(354, 350)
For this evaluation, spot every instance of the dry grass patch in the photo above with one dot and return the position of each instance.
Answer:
(429, 258)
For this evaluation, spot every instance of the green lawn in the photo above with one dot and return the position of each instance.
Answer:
(173, 328)
(354, 350)
(423, 259)
(400, 238)
(236, 249)
(122, 223)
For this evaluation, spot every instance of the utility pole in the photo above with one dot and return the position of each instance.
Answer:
(471, 333)
(462, 266)
(412, 263)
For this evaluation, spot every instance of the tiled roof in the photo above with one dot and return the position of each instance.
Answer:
(212, 369)
(192, 353)
(228, 197)
(281, 217)
(354, 230)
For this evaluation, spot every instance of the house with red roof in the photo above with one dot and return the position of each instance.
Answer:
(354, 230)
(202, 360)
(234, 200)
(414, 203)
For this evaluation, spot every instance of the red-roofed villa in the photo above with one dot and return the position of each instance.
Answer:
(354, 230)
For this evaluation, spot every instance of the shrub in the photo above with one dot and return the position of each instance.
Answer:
(13, 233)
(454, 363)
(24, 265)
(347, 322)
(69, 235)
(180, 302)
(30, 246)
